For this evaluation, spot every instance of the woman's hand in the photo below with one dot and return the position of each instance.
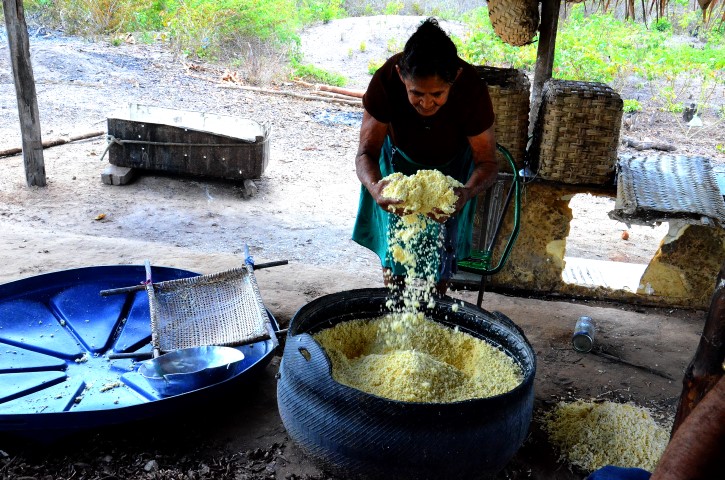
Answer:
(386, 203)
(438, 215)
(464, 194)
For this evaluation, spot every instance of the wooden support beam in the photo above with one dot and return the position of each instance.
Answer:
(706, 368)
(19, 44)
(544, 55)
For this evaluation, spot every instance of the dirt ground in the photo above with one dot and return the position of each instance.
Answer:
(303, 212)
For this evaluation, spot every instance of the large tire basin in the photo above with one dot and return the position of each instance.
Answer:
(359, 435)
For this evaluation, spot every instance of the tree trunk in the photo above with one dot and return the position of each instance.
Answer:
(696, 449)
(706, 368)
(630, 10)
(19, 45)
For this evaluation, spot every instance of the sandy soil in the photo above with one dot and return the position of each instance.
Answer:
(303, 212)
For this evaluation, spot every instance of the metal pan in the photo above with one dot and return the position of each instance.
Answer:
(188, 369)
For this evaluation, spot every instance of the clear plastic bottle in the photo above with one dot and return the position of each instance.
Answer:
(583, 338)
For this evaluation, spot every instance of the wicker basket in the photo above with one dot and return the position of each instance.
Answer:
(510, 90)
(514, 21)
(577, 132)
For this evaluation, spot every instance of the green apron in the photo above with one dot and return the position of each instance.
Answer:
(373, 224)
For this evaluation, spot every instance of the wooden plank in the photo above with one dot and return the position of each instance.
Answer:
(19, 45)
(544, 55)
(54, 142)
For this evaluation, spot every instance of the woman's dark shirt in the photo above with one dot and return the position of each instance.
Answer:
(436, 139)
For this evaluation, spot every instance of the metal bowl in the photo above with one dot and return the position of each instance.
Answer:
(188, 369)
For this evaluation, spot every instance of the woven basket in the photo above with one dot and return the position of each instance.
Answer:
(577, 132)
(514, 21)
(509, 90)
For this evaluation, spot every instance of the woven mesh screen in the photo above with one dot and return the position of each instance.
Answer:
(514, 21)
(510, 90)
(217, 309)
(657, 188)
(488, 211)
(577, 132)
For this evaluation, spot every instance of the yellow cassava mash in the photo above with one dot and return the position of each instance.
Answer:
(415, 242)
(592, 435)
(423, 192)
(409, 358)
(403, 355)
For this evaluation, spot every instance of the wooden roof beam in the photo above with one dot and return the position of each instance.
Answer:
(545, 54)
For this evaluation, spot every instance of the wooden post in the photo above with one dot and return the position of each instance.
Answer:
(706, 368)
(19, 44)
(544, 55)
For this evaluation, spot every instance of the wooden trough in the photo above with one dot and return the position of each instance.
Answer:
(188, 142)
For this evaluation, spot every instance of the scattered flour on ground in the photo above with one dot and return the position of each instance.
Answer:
(592, 435)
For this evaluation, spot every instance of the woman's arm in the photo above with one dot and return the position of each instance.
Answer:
(367, 166)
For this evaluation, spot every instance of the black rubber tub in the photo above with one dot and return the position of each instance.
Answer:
(354, 434)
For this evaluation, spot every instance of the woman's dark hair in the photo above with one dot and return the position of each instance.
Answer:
(429, 52)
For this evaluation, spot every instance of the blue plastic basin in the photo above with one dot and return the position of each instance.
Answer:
(56, 332)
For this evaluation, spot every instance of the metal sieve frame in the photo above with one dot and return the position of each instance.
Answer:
(222, 308)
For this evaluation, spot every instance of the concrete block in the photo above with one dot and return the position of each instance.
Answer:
(115, 175)
(250, 188)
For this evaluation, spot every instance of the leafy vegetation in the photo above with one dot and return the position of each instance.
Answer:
(314, 74)
(584, 53)
(86, 17)
(631, 106)
(202, 28)
(395, 45)
(374, 64)
(234, 29)
(628, 50)
(393, 8)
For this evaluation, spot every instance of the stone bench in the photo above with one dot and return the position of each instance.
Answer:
(678, 189)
